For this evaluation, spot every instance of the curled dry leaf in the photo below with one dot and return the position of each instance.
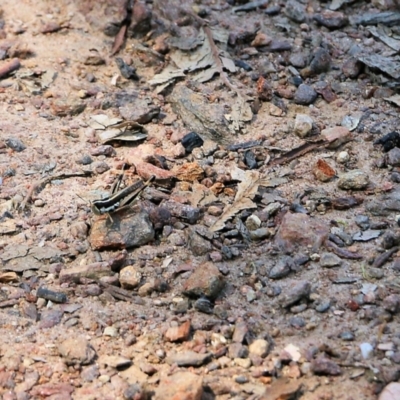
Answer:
(247, 189)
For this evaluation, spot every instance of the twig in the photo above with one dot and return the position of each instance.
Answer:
(43, 182)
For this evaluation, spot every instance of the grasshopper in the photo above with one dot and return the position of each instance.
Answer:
(119, 198)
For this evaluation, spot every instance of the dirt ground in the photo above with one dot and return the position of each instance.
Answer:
(294, 296)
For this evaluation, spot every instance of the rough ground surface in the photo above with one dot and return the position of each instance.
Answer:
(295, 298)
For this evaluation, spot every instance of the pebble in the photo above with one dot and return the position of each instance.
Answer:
(188, 359)
(191, 141)
(259, 347)
(76, 351)
(84, 160)
(329, 260)
(321, 61)
(297, 322)
(205, 280)
(305, 95)
(295, 291)
(253, 222)
(15, 144)
(323, 306)
(343, 157)
(331, 19)
(390, 392)
(325, 366)
(393, 157)
(280, 270)
(348, 336)
(295, 11)
(260, 233)
(130, 277)
(353, 180)
(352, 67)
(180, 386)
(366, 350)
(303, 125)
(111, 331)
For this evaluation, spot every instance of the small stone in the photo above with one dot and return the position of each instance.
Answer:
(76, 351)
(180, 386)
(303, 125)
(390, 392)
(198, 245)
(133, 392)
(325, 366)
(299, 229)
(323, 306)
(298, 60)
(321, 61)
(362, 221)
(391, 303)
(343, 157)
(366, 350)
(241, 329)
(281, 269)
(94, 59)
(191, 141)
(130, 277)
(243, 362)
(259, 234)
(204, 305)
(329, 260)
(393, 157)
(348, 336)
(295, 11)
(296, 291)
(305, 95)
(99, 167)
(111, 331)
(104, 150)
(297, 322)
(293, 352)
(241, 379)
(353, 180)
(237, 350)
(89, 374)
(336, 136)
(188, 359)
(261, 39)
(84, 160)
(178, 333)
(253, 222)
(352, 67)
(205, 280)
(331, 19)
(15, 144)
(259, 347)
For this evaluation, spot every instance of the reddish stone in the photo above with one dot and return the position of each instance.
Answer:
(178, 333)
(180, 386)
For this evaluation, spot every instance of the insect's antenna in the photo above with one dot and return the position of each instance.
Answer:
(86, 201)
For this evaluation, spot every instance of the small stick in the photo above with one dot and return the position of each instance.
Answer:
(8, 67)
(43, 182)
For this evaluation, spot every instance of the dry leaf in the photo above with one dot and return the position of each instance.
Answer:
(6, 277)
(247, 189)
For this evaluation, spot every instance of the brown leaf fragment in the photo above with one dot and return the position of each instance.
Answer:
(6, 277)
